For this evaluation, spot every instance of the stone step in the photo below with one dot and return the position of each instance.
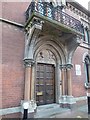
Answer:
(47, 111)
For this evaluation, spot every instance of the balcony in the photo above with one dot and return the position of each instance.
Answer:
(47, 10)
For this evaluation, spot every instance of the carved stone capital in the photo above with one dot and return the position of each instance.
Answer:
(66, 66)
(28, 62)
(78, 39)
(35, 23)
(62, 67)
(87, 85)
(69, 66)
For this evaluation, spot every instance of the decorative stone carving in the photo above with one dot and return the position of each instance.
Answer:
(32, 32)
(28, 62)
(46, 56)
(66, 66)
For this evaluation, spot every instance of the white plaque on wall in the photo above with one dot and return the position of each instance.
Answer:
(78, 69)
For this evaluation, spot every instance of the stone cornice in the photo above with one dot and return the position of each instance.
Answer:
(79, 7)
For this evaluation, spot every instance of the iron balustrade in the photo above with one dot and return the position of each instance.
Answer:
(54, 13)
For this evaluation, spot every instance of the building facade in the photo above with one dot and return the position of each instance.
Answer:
(45, 55)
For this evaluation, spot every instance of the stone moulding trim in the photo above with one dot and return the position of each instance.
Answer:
(81, 98)
(83, 45)
(18, 109)
(11, 22)
(10, 110)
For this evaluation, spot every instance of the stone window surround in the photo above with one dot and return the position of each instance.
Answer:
(86, 84)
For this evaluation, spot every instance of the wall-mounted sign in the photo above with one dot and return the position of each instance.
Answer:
(78, 69)
(39, 93)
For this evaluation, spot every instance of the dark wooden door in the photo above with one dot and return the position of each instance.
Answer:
(45, 84)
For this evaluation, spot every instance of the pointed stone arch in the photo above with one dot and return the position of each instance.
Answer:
(57, 50)
(50, 43)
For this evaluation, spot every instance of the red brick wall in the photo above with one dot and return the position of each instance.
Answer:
(12, 65)
(13, 54)
(78, 81)
(0, 9)
(14, 11)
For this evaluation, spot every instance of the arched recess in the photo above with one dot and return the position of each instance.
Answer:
(43, 48)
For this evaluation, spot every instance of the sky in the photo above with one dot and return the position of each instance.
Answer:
(84, 3)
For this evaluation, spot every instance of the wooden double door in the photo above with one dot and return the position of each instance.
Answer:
(45, 84)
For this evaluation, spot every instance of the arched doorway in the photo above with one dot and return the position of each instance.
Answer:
(45, 77)
(48, 56)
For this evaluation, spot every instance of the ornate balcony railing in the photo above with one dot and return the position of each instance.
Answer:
(54, 13)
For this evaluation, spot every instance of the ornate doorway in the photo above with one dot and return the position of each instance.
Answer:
(45, 77)
(45, 84)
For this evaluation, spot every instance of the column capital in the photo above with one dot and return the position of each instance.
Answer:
(28, 62)
(69, 66)
(63, 66)
(66, 66)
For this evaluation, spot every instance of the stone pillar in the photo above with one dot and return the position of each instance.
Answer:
(62, 99)
(28, 78)
(70, 98)
(69, 66)
(66, 99)
(28, 89)
(32, 83)
(63, 81)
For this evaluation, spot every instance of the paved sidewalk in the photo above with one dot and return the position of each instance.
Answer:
(80, 112)
(54, 111)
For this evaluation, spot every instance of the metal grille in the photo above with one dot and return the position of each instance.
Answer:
(54, 13)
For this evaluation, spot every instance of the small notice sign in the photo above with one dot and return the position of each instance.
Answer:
(78, 69)
(39, 93)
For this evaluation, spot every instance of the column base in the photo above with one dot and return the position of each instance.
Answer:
(67, 102)
(31, 109)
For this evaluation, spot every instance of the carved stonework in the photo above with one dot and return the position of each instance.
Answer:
(46, 56)
(28, 62)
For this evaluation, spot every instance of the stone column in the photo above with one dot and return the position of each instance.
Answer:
(62, 99)
(27, 81)
(66, 99)
(63, 81)
(70, 98)
(69, 66)
(28, 89)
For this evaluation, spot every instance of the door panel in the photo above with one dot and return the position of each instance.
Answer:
(45, 86)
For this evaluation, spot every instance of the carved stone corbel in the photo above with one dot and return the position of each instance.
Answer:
(32, 31)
